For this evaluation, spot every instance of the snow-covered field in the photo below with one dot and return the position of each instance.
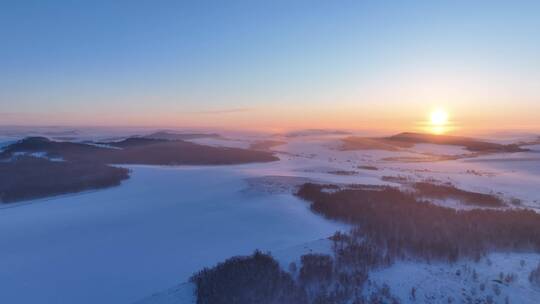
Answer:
(155, 230)
(123, 244)
(316, 158)
(433, 283)
(442, 283)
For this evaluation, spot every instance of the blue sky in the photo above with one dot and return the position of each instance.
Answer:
(276, 63)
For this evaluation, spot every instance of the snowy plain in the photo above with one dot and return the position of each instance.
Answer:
(316, 158)
(149, 235)
(121, 244)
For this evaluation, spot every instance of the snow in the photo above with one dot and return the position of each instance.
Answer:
(292, 254)
(36, 155)
(439, 149)
(436, 282)
(122, 244)
(221, 142)
(184, 293)
(180, 294)
(275, 184)
(312, 158)
(535, 148)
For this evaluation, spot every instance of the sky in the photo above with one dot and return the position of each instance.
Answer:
(270, 65)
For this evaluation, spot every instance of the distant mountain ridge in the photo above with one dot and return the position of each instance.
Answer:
(137, 150)
(409, 139)
(471, 144)
(315, 132)
(168, 135)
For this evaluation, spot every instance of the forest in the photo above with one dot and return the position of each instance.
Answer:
(29, 177)
(138, 150)
(389, 224)
(253, 279)
(258, 278)
(445, 191)
(402, 225)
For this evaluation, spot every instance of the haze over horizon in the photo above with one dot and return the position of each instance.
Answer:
(255, 65)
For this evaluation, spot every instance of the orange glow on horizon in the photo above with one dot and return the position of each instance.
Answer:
(278, 118)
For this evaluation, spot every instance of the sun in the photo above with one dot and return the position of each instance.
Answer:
(439, 117)
(438, 121)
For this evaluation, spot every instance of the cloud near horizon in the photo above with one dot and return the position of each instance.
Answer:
(223, 111)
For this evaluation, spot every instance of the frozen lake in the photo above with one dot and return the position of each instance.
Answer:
(122, 244)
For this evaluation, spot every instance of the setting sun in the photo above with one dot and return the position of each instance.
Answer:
(438, 121)
(439, 117)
